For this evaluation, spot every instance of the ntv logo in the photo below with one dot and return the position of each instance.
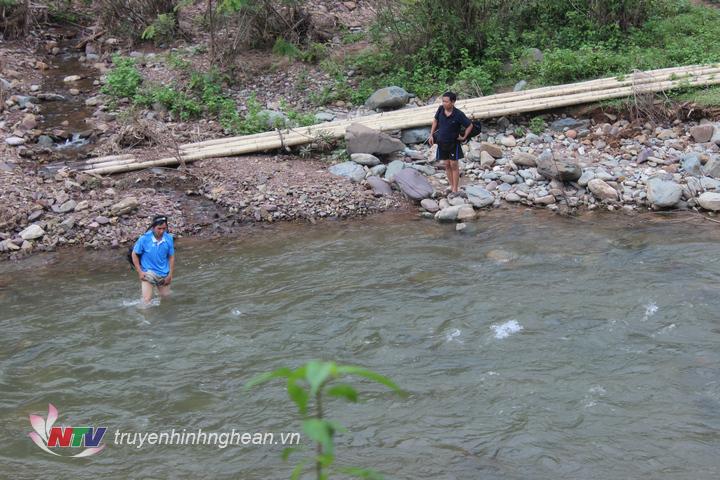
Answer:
(47, 436)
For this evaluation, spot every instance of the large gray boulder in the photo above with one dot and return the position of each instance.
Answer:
(379, 186)
(413, 184)
(663, 192)
(349, 170)
(565, 170)
(692, 165)
(388, 98)
(712, 167)
(412, 136)
(362, 139)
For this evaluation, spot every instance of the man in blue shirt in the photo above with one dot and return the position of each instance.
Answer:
(154, 259)
(450, 128)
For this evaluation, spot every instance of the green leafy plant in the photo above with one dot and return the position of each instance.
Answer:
(309, 386)
(537, 125)
(161, 29)
(519, 132)
(284, 48)
(123, 80)
(177, 102)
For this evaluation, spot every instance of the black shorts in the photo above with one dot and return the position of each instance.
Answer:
(449, 151)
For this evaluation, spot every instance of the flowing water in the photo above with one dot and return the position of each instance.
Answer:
(530, 346)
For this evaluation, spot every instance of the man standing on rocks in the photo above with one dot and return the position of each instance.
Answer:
(153, 257)
(447, 131)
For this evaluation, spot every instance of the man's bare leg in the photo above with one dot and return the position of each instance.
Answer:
(147, 291)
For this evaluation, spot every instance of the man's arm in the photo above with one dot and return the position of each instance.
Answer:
(434, 126)
(168, 279)
(467, 132)
(136, 264)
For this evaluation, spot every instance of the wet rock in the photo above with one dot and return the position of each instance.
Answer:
(72, 78)
(451, 214)
(14, 141)
(702, 133)
(479, 197)
(545, 200)
(393, 168)
(413, 184)
(710, 201)
(365, 159)
(388, 98)
(45, 141)
(414, 136)
(430, 205)
(32, 232)
(565, 170)
(512, 197)
(379, 186)
(349, 170)
(8, 246)
(126, 205)
(466, 213)
(602, 190)
(663, 192)
(361, 139)
(50, 97)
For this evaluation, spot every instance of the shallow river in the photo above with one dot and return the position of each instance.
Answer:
(530, 346)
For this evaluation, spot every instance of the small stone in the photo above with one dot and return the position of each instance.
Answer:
(571, 134)
(68, 206)
(72, 78)
(710, 201)
(493, 150)
(525, 159)
(82, 205)
(602, 190)
(126, 205)
(430, 205)
(32, 232)
(14, 141)
(365, 159)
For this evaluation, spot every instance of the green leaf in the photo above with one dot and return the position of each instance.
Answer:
(320, 431)
(297, 471)
(370, 375)
(298, 395)
(283, 372)
(287, 452)
(362, 473)
(317, 373)
(343, 390)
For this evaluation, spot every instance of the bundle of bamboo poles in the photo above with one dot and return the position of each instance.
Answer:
(477, 108)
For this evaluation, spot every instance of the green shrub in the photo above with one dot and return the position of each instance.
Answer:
(123, 80)
(537, 125)
(162, 29)
(178, 103)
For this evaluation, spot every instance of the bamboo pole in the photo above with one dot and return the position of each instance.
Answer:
(476, 109)
(379, 121)
(631, 79)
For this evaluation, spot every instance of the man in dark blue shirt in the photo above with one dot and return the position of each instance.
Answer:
(449, 129)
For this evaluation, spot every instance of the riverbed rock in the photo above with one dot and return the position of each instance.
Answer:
(379, 186)
(412, 136)
(712, 167)
(710, 201)
(565, 170)
(413, 184)
(644, 155)
(393, 169)
(361, 139)
(14, 141)
(452, 213)
(365, 159)
(716, 136)
(692, 165)
(72, 78)
(68, 206)
(32, 232)
(378, 170)
(702, 133)
(479, 197)
(349, 170)
(663, 192)
(486, 160)
(520, 86)
(492, 149)
(430, 205)
(602, 190)
(525, 159)
(126, 205)
(388, 98)
(563, 123)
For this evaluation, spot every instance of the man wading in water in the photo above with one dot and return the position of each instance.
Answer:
(153, 257)
(446, 132)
